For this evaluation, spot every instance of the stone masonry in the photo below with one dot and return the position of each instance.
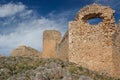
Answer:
(93, 46)
(51, 38)
(96, 47)
(25, 51)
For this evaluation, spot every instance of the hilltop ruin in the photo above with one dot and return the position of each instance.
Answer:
(96, 47)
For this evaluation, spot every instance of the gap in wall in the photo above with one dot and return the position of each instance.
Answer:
(94, 21)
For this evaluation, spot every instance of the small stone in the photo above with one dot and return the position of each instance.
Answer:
(84, 78)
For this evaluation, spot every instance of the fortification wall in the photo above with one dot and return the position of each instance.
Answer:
(96, 47)
(51, 38)
(24, 51)
(116, 53)
(91, 46)
(63, 48)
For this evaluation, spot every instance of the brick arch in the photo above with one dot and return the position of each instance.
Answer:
(96, 11)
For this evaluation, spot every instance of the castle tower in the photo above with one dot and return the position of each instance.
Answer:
(92, 46)
(51, 38)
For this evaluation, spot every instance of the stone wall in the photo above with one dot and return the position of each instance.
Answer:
(25, 51)
(51, 38)
(116, 60)
(91, 46)
(62, 48)
(96, 47)
(116, 52)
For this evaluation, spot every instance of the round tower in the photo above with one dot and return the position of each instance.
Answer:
(51, 38)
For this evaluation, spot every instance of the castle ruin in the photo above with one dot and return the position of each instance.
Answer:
(96, 47)
(51, 38)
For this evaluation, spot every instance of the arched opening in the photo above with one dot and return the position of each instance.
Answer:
(94, 21)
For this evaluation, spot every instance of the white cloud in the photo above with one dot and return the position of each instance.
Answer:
(29, 30)
(11, 9)
(29, 34)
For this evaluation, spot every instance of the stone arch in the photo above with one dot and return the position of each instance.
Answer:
(96, 11)
(91, 46)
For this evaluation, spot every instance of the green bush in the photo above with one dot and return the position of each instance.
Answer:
(72, 69)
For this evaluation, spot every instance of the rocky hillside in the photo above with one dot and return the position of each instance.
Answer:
(32, 68)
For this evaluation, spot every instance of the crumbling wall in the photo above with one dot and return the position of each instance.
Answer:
(116, 52)
(62, 48)
(91, 46)
(96, 47)
(51, 38)
(25, 51)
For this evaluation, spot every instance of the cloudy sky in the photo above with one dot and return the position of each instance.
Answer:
(22, 22)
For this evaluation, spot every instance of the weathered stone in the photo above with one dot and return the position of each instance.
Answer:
(25, 51)
(51, 38)
(95, 47)
(62, 48)
(85, 78)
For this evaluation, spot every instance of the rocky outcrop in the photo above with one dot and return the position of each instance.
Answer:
(25, 51)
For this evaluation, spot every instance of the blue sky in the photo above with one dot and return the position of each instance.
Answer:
(22, 22)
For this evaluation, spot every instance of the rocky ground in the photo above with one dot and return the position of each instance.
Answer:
(31, 68)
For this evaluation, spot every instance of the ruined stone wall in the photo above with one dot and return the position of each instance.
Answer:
(116, 52)
(96, 47)
(91, 46)
(62, 48)
(51, 38)
(25, 51)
